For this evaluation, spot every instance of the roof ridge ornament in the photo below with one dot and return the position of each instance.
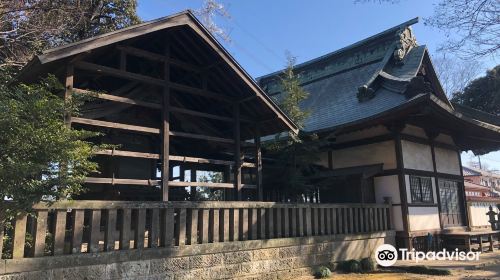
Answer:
(407, 41)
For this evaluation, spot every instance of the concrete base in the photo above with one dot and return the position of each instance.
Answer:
(282, 258)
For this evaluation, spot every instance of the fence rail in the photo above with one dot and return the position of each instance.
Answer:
(74, 227)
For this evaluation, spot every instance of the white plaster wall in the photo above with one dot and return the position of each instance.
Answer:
(383, 152)
(477, 213)
(414, 130)
(423, 218)
(417, 156)
(362, 134)
(408, 193)
(447, 161)
(397, 214)
(389, 186)
(444, 138)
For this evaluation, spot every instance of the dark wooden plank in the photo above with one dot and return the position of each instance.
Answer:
(192, 232)
(200, 114)
(335, 228)
(131, 154)
(114, 181)
(205, 226)
(286, 222)
(270, 223)
(168, 233)
(155, 228)
(181, 235)
(19, 237)
(261, 219)
(254, 224)
(237, 151)
(41, 233)
(278, 222)
(300, 220)
(201, 137)
(109, 234)
(215, 221)
(294, 220)
(68, 91)
(76, 241)
(308, 220)
(114, 125)
(244, 224)
(165, 131)
(60, 232)
(226, 225)
(125, 229)
(258, 164)
(100, 69)
(140, 229)
(95, 231)
(120, 99)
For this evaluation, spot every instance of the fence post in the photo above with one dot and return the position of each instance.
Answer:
(390, 222)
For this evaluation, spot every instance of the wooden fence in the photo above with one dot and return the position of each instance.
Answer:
(73, 227)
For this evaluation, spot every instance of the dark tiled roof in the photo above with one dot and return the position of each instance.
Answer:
(333, 80)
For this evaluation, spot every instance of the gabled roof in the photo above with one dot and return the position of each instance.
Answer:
(52, 60)
(359, 81)
(385, 77)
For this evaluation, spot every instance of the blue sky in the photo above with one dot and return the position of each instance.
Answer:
(261, 31)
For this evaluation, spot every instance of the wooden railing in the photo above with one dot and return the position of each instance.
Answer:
(73, 227)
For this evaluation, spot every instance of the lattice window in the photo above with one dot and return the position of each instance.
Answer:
(421, 189)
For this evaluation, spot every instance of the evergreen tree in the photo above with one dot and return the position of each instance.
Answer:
(482, 93)
(293, 154)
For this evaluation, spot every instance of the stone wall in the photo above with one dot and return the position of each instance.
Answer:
(284, 258)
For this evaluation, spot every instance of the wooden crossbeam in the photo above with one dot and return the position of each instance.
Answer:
(200, 114)
(118, 73)
(113, 181)
(149, 80)
(201, 137)
(212, 161)
(207, 184)
(119, 153)
(118, 99)
(131, 154)
(116, 125)
(158, 57)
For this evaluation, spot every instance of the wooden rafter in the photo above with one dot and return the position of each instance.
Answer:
(106, 124)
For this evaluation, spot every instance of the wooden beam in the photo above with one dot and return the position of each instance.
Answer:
(258, 163)
(201, 137)
(68, 90)
(200, 92)
(237, 151)
(208, 184)
(158, 57)
(165, 129)
(118, 73)
(149, 80)
(200, 114)
(118, 99)
(116, 125)
(211, 161)
(113, 181)
(119, 153)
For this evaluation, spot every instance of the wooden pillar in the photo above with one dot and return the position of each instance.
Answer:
(68, 92)
(237, 152)
(165, 129)
(258, 164)
(193, 179)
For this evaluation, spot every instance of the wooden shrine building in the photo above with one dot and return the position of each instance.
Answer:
(173, 102)
(391, 131)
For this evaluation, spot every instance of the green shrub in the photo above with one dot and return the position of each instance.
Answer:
(422, 269)
(367, 265)
(354, 266)
(323, 272)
